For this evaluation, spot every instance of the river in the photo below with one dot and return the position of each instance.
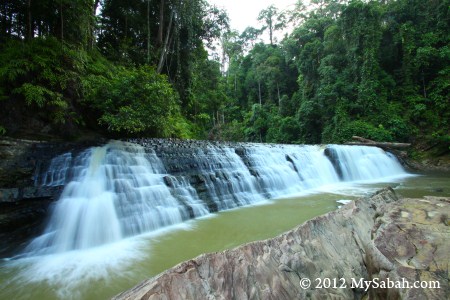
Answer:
(101, 271)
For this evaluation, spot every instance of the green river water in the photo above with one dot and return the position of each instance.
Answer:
(106, 271)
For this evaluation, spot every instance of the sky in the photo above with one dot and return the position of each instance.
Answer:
(244, 13)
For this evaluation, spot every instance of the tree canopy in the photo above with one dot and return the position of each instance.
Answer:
(379, 69)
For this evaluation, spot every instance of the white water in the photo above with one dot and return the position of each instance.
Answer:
(285, 170)
(122, 190)
(366, 163)
(116, 192)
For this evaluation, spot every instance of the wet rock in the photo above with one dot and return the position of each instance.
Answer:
(272, 269)
(23, 205)
(334, 159)
(414, 236)
(378, 237)
(9, 195)
(289, 159)
(19, 221)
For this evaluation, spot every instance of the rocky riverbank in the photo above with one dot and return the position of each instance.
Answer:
(423, 160)
(380, 238)
(441, 164)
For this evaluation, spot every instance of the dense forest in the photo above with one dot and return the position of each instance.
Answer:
(175, 68)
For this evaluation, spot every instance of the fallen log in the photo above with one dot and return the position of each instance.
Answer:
(384, 145)
(361, 139)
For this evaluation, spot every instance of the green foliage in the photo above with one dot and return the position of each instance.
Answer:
(135, 101)
(233, 131)
(283, 130)
(379, 69)
(309, 120)
(272, 19)
(67, 20)
(361, 128)
(37, 73)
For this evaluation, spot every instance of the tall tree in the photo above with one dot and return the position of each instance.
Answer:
(272, 19)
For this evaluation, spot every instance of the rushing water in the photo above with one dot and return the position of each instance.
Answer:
(123, 189)
(123, 217)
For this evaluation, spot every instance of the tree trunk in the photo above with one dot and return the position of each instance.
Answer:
(126, 26)
(169, 63)
(148, 31)
(279, 98)
(11, 23)
(162, 58)
(423, 84)
(29, 22)
(384, 145)
(161, 23)
(5, 27)
(61, 19)
(92, 21)
(271, 31)
(259, 92)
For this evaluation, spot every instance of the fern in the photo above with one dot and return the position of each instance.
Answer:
(34, 94)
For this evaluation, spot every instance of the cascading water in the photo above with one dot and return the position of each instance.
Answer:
(124, 189)
(283, 170)
(117, 191)
(228, 181)
(364, 163)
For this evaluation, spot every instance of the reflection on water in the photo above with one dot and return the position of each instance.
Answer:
(427, 184)
(102, 272)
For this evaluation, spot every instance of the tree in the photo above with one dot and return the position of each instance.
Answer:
(272, 19)
(134, 101)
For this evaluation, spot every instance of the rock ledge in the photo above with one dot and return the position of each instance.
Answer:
(379, 237)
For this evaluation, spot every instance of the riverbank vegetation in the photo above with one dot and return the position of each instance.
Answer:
(172, 68)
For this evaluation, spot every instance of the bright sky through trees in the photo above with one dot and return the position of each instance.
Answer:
(244, 13)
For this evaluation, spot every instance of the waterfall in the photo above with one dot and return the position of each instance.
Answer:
(286, 169)
(124, 189)
(364, 163)
(118, 190)
(228, 182)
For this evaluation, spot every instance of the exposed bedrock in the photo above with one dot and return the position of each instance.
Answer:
(373, 238)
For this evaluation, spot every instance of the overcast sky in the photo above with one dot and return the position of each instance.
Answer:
(244, 13)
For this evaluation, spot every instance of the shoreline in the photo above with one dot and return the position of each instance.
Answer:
(378, 239)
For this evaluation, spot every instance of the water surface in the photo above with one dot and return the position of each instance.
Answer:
(102, 272)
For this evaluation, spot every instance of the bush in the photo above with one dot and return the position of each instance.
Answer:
(366, 130)
(400, 130)
(37, 73)
(233, 131)
(284, 130)
(134, 101)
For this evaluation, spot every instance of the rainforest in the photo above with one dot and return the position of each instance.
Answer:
(172, 68)
(150, 140)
